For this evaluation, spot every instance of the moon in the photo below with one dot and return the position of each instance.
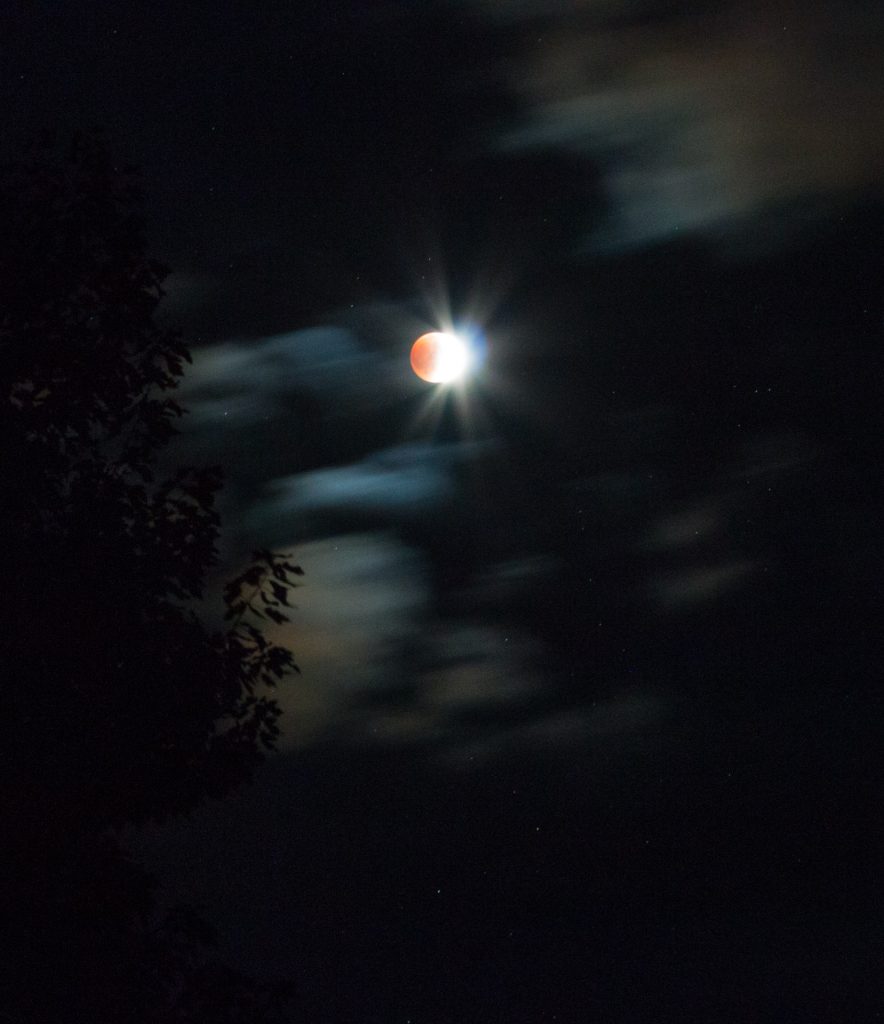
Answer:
(439, 357)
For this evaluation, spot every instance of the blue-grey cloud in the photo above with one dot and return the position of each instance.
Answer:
(261, 408)
(234, 382)
(394, 485)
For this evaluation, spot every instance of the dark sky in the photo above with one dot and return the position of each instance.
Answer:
(589, 719)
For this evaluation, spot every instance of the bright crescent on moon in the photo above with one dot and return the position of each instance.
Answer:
(439, 357)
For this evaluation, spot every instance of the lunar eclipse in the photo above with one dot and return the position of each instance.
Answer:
(439, 357)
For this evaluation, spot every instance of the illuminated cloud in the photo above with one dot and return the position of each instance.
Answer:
(236, 381)
(702, 116)
(403, 484)
(378, 667)
(364, 600)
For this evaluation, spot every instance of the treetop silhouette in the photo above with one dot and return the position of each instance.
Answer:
(120, 703)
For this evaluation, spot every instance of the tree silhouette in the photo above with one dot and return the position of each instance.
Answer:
(120, 704)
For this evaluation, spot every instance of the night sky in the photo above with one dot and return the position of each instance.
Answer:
(589, 719)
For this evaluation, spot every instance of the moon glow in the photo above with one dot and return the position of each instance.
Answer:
(439, 357)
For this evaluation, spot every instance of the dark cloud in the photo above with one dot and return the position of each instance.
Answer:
(623, 722)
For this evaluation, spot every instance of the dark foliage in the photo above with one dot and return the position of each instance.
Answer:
(118, 704)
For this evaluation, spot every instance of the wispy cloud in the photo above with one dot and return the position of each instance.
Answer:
(235, 381)
(701, 116)
(388, 487)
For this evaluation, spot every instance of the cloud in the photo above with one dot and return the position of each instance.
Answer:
(629, 722)
(689, 587)
(234, 382)
(685, 527)
(401, 484)
(379, 667)
(703, 116)
(304, 425)
(364, 600)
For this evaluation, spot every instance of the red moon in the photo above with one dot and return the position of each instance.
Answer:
(438, 357)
